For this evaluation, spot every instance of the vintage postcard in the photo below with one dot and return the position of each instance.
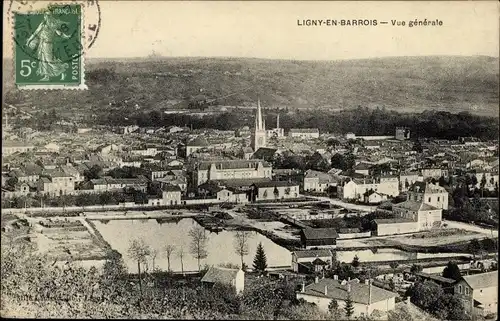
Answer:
(241, 160)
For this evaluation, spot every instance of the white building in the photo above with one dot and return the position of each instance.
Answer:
(304, 133)
(365, 297)
(355, 189)
(429, 193)
(232, 277)
(276, 132)
(479, 293)
(10, 147)
(316, 181)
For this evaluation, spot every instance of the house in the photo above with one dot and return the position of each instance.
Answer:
(365, 297)
(235, 278)
(302, 261)
(171, 195)
(356, 188)
(431, 194)
(265, 153)
(56, 183)
(246, 152)
(196, 144)
(52, 147)
(373, 197)
(316, 181)
(479, 293)
(433, 172)
(318, 237)
(274, 190)
(362, 168)
(304, 133)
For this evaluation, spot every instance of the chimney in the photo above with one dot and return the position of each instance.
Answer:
(348, 287)
(407, 300)
(367, 282)
(326, 290)
(316, 279)
(349, 279)
(303, 287)
(335, 277)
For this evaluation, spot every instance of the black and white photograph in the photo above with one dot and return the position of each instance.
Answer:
(250, 160)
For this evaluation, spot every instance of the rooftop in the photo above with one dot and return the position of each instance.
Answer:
(482, 280)
(312, 253)
(338, 290)
(220, 275)
(319, 233)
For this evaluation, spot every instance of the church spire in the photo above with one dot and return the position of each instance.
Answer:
(259, 123)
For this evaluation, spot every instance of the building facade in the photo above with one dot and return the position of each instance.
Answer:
(230, 169)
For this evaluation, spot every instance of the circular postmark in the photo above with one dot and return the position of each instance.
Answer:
(54, 32)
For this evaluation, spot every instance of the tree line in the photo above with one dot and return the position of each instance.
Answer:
(361, 121)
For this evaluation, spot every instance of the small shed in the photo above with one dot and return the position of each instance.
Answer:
(318, 237)
(227, 276)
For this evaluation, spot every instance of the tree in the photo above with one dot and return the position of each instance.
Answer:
(355, 262)
(394, 265)
(154, 255)
(333, 309)
(475, 247)
(260, 260)
(241, 244)
(415, 268)
(425, 295)
(349, 306)
(139, 252)
(452, 271)
(169, 249)
(442, 181)
(450, 307)
(180, 254)
(482, 184)
(198, 246)
(276, 192)
(93, 173)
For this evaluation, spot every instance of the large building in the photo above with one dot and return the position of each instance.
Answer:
(304, 133)
(10, 147)
(259, 134)
(230, 169)
(365, 297)
(429, 193)
(316, 181)
(356, 189)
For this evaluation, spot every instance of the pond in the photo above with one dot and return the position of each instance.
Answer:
(220, 246)
(389, 254)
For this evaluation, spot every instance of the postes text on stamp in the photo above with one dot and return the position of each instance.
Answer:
(48, 47)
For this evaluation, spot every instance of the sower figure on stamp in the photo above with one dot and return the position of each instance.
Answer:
(44, 36)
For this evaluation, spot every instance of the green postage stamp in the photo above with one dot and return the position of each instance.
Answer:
(49, 47)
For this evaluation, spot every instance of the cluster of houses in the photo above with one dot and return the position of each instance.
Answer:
(478, 292)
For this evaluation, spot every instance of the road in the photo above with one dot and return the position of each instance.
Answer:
(349, 206)
(472, 228)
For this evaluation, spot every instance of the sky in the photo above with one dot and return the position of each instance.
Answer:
(270, 30)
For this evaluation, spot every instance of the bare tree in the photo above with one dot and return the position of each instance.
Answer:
(198, 246)
(139, 251)
(169, 249)
(154, 255)
(180, 254)
(241, 244)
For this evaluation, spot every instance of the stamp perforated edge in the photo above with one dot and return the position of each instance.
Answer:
(82, 85)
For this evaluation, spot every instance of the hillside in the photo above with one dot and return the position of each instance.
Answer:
(415, 84)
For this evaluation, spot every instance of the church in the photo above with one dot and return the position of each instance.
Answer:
(260, 134)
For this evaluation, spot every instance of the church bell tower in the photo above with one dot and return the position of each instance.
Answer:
(259, 133)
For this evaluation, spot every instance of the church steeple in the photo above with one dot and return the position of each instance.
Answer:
(259, 133)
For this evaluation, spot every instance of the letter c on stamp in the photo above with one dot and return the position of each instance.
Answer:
(50, 43)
